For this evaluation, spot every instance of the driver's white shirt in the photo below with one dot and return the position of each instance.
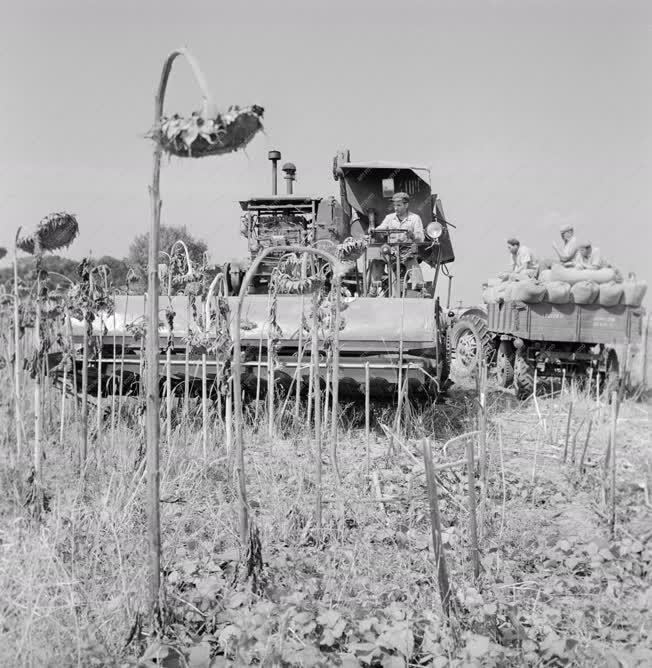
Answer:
(411, 223)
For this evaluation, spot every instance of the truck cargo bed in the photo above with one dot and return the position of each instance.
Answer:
(571, 323)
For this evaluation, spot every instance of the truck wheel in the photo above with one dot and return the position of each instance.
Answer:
(472, 342)
(505, 364)
(523, 377)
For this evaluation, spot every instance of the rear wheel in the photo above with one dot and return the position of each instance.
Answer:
(505, 364)
(523, 377)
(472, 342)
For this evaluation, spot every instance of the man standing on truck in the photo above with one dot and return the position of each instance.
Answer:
(406, 221)
(524, 264)
(567, 253)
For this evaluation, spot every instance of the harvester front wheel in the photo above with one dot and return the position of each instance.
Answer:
(505, 364)
(523, 377)
(472, 342)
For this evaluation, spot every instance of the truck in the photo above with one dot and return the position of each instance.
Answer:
(584, 341)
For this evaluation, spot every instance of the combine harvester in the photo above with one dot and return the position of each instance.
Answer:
(395, 340)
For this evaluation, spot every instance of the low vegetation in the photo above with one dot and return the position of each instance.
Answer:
(556, 585)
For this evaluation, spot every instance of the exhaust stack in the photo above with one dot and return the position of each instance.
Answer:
(290, 171)
(274, 156)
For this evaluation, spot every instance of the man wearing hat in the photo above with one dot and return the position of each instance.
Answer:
(524, 264)
(567, 253)
(409, 222)
(588, 257)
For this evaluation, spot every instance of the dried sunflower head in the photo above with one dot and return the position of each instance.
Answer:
(200, 135)
(55, 231)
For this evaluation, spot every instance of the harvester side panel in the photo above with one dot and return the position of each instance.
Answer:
(369, 325)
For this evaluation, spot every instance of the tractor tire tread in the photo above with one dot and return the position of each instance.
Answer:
(523, 377)
(478, 327)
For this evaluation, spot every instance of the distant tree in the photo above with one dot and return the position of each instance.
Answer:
(61, 266)
(58, 266)
(138, 251)
(119, 269)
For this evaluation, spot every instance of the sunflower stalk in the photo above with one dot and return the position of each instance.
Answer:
(234, 132)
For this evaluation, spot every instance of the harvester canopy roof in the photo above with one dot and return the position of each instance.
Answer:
(303, 203)
(383, 164)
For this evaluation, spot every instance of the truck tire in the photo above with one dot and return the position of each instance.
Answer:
(472, 342)
(505, 364)
(523, 377)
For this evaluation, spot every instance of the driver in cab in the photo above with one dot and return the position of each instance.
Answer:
(402, 220)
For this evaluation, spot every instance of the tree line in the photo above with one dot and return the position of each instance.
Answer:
(134, 265)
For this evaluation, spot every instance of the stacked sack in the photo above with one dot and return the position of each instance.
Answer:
(567, 285)
(634, 291)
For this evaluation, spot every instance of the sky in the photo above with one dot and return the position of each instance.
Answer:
(530, 114)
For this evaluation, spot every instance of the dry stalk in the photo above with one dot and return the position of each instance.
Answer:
(168, 395)
(568, 426)
(114, 371)
(186, 373)
(315, 387)
(270, 382)
(366, 414)
(335, 378)
(297, 387)
(259, 368)
(237, 375)
(614, 421)
(38, 408)
(379, 492)
(98, 415)
(228, 419)
(445, 591)
(586, 444)
(473, 527)
(574, 440)
(62, 410)
(18, 364)
(502, 477)
(122, 355)
(204, 407)
(84, 397)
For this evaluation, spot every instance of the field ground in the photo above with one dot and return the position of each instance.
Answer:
(555, 588)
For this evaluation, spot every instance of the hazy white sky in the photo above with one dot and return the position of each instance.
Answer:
(529, 113)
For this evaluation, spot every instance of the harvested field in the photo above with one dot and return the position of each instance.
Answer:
(555, 587)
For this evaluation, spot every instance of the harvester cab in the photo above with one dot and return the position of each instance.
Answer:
(348, 228)
(366, 191)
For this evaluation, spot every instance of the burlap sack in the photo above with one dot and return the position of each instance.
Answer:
(572, 275)
(585, 292)
(530, 292)
(558, 292)
(545, 276)
(610, 294)
(489, 295)
(633, 292)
